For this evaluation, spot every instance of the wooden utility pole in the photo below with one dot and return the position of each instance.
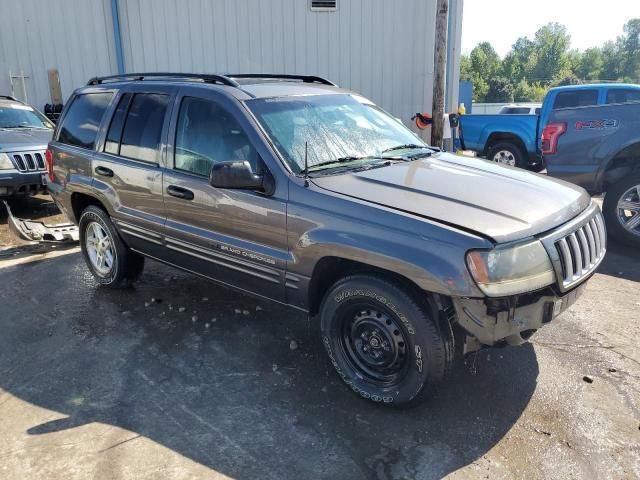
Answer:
(439, 67)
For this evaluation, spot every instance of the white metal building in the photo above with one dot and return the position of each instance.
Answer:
(380, 48)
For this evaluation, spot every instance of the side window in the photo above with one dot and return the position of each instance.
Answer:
(112, 143)
(618, 95)
(81, 122)
(206, 133)
(576, 98)
(143, 127)
(538, 110)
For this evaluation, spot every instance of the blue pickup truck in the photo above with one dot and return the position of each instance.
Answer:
(585, 134)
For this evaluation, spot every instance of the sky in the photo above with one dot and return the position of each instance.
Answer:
(501, 22)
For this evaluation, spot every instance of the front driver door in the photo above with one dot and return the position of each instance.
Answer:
(237, 237)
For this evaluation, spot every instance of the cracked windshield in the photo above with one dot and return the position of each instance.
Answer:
(338, 130)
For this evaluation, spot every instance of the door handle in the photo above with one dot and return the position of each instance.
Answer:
(104, 171)
(180, 192)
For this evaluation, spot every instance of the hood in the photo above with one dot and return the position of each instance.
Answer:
(495, 201)
(19, 139)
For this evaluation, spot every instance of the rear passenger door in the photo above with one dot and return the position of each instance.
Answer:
(76, 137)
(234, 236)
(128, 166)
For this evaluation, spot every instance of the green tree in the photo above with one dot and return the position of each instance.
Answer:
(568, 79)
(630, 43)
(612, 62)
(483, 63)
(551, 45)
(500, 91)
(590, 65)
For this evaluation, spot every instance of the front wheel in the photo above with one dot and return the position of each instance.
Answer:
(621, 209)
(386, 345)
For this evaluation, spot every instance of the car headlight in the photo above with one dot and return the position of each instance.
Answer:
(5, 162)
(511, 269)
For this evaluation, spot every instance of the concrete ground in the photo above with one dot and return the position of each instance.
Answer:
(181, 379)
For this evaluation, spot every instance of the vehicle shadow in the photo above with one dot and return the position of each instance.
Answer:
(250, 395)
(621, 261)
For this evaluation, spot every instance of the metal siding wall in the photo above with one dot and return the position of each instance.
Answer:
(379, 48)
(74, 36)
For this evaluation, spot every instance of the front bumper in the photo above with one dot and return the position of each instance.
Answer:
(13, 182)
(510, 320)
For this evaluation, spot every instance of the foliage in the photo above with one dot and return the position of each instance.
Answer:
(500, 91)
(534, 65)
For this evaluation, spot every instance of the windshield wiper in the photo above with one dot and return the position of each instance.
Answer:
(338, 161)
(406, 146)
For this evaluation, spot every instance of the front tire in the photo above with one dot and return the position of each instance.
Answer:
(621, 210)
(386, 345)
(507, 153)
(110, 261)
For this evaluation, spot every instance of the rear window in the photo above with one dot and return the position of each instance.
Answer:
(515, 110)
(82, 121)
(143, 127)
(623, 96)
(577, 98)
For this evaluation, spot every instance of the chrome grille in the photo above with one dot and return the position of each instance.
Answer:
(582, 250)
(29, 161)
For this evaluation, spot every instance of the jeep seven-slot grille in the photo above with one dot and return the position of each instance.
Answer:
(582, 250)
(29, 162)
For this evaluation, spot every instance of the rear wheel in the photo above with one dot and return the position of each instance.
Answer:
(621, 210)
(386, 345)
(111, 262)
(507, 153)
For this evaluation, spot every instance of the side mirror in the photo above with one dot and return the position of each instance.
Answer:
(235, 174)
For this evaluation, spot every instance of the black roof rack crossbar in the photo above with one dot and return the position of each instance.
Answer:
(276, 76)
(206, 78)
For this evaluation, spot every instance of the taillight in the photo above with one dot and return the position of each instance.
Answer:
(48, 156)
(550, 135)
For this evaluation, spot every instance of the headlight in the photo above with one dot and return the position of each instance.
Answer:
(510, 270)
(5, 162)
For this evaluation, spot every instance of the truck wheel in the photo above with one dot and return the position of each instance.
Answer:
(621, 210)
(386, 346)
(507, 153)
(110, 261)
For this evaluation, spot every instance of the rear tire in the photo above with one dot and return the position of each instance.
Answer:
(507, 153)
(624, 223)
(387, 345)
(110, 261)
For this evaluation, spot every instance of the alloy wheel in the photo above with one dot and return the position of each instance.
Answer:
(99, 248)
(629, 210)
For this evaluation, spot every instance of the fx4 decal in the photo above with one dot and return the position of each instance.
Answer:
(596, 124)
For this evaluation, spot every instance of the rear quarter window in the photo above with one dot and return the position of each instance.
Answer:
(81, 123)
(619, 95)
(515, 110)
(576, 98)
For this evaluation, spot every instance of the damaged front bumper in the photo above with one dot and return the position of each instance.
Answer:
(34, 230)
(510, 320)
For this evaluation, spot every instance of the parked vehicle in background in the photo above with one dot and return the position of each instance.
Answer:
(294, 190)
(24, 134)
(516, 139)
(521, 109)
(591, 138)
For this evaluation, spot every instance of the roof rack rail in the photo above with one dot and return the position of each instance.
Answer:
(9, 97)
(206, 78)
(276, 76)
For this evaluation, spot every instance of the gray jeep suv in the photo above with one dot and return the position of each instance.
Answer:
(24, 134)
(297, 191)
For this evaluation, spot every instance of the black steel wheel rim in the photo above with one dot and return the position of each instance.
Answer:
(374, 343)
